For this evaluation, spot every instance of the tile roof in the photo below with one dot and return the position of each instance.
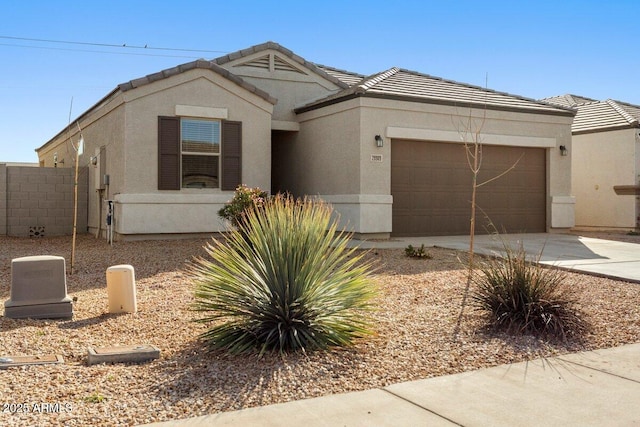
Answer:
(567, 100)
(598, 116)
(605, 115)
(394, 83)
(397, 83)
(348, 77)
(200, 63)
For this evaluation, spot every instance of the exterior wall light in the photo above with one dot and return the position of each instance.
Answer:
(563, 150)
(379, 141)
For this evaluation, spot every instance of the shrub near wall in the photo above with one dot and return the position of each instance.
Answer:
(40, 201)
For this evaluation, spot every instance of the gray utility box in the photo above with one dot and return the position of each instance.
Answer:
(38, 289)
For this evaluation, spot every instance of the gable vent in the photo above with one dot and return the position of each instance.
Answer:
(280, 64)
(271, 62)
(262, 62)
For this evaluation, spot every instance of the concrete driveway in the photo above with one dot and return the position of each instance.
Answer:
(605, 258)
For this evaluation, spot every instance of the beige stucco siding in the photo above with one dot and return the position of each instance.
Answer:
(143, 209)
(326, 130)
(456, 125)
(601, 161)
(200, 88)
(290, 93)
(291, 88)
(101, 127)
(327, 153)
(104, 138)
(110, 109)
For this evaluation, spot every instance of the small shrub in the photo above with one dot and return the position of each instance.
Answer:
(285, 280)
(420, 252)
(244, 198)
(526, 297)
(633, 233)
(94, 397)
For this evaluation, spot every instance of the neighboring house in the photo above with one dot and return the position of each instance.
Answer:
(605, 162)
(386, 150)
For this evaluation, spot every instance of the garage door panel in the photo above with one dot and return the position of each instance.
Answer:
(431, 188)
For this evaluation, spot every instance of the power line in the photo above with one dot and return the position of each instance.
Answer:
(97, 51)
(123, 45)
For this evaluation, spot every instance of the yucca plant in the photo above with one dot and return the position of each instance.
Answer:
(285, 280)
(526, 297)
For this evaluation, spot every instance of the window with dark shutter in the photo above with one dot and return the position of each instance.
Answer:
(231, 155)
(168, 153)
(190, 153)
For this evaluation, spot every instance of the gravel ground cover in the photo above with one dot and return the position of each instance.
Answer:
(419, 333)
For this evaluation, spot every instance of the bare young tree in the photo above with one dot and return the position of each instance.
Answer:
(470, 130)
(471, 135)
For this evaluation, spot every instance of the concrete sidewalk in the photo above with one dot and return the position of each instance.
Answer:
(595, 388)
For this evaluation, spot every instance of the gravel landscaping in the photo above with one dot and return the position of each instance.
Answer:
(419, 333)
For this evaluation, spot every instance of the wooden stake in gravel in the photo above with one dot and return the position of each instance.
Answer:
(79, 150)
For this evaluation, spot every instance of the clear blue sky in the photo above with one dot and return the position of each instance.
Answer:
(534, 49)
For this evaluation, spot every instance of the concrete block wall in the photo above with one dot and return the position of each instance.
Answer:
(39, 201)
(3, 199)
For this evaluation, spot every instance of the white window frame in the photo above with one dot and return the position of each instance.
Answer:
(200, 153)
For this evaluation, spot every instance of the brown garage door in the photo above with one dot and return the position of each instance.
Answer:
(431, 188)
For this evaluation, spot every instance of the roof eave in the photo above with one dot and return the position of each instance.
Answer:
(352, 95)
(151, 78)
(72, 124)
(198, 64)
(635, 125)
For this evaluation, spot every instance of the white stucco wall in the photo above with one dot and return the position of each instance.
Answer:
(601, 161)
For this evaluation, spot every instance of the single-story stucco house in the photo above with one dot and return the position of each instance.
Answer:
(605, 162)
(385, 150)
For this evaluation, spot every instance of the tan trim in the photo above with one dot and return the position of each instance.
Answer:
(458, 137)
(285, 125)
(203, 112)
(627, 190)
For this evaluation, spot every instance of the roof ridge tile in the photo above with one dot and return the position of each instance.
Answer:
(340, 70)
(368, 82)
(620, 110)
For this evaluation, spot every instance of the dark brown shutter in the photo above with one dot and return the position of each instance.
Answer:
(231, 155)
(168, 153)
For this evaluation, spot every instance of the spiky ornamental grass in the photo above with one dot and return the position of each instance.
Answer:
(525, 297)
(285, 281)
